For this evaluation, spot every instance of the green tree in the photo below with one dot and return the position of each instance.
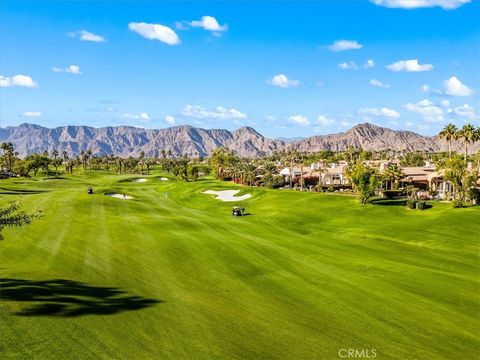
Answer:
(220, 161)
(392, 174)
(56, 164)
(449, 133)
(65, 161)
(8, 154)
(45, 161)
(13, 216)
(468, 134)
(364, 180)
(462, 178)
(412, 159)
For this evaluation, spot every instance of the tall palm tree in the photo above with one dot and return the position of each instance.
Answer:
(89, 158)
(290, 157)
(65, 160)
(141, 160)
(300, 158)
(8, 152)
(449, 133)
(55, 163)
(391, 174)
(468, 134)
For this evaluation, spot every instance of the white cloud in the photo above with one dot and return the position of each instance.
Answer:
(380, 112)
(85, 35)
(209, 23)
(427, 109)
(414, 4)
(143, 116)
(72, 69)
(220, 113)
(155, 32)
(465, 111)
(369, 64)
(270, 118)
(345, 124)
(281, 80)
(31, 114)
(445, 103)
(88, 36)
(325, 121)
(17, 80)
(409, 66)
(299, 120)
(342, 45)
(425, 88)
(378, 83)
(170, 120)
(454, 87)
(348, 66)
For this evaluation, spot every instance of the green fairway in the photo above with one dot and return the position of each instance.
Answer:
(175, 276)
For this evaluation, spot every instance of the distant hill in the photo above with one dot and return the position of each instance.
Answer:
(246, 141)
(289, 140)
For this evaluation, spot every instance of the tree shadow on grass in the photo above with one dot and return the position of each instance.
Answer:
(68, 298)
(6, 191)
(389, 202)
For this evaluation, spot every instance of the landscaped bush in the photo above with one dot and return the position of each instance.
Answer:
(474, 195)
(412, 204)
(330, 189)
(421, 205)
(278, 181)
(390, 194)
(457, 203)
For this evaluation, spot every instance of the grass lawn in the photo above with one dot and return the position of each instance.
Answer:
(177, 277)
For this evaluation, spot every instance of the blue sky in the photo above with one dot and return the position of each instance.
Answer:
(286, 68)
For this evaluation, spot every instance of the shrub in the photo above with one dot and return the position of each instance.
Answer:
(457, 203)
(421, 205)
(278, 181)
(330, 189)
(411, 204)
(474, 195)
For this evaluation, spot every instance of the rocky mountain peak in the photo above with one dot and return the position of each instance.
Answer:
(185, 139)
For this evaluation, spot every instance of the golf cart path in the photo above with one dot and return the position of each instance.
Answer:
(227, 195)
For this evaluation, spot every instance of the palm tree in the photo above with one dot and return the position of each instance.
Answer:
(89, 158)
(83, 156)
(46, 161)
(141, 160)
(55, 163)
(300, 158)
(468, 134)
(65, 160)
(449, 133)
(391, 174)
(8, 152)
(289, 158)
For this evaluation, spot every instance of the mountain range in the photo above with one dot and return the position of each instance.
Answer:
(246, 141)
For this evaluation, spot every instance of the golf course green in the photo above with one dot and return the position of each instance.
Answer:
(170, 274)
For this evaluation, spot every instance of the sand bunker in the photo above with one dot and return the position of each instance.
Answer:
(164, 179)
(140, 180)
(120, 196)
(228, 195)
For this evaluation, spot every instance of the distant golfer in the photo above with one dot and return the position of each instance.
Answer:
(124, 196)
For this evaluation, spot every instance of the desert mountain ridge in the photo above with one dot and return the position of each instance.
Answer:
(185, 139)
